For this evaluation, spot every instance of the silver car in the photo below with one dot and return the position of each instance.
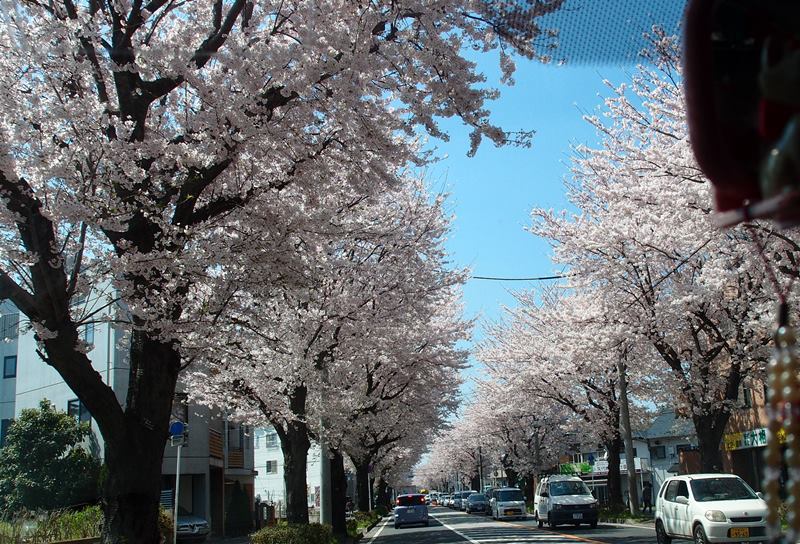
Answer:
(410, 510)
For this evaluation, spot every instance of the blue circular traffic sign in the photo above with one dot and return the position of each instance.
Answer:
(177, 428)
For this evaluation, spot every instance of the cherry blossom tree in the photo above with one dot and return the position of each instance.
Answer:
(551, 349)
(372, 325)
(693, 300)
(526, 434)
(135, 136)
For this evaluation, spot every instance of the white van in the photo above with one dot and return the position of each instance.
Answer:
(507, 503)
(562, 500)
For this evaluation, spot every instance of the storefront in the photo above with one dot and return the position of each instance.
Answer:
(744, 455)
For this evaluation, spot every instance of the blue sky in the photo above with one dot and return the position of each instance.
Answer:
(493, 193)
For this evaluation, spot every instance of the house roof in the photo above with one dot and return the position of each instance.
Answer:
(667, 425)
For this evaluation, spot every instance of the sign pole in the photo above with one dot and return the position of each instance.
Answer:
(177, 434)
(177, 494)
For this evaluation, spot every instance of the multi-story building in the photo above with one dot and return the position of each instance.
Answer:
(217, 453)
(269, 484)
(745, 437)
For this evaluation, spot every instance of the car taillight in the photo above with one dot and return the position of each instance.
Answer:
(398, 502)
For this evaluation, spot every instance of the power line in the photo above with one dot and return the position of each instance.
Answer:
(537, 278)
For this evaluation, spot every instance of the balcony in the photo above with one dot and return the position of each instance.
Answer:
(215, 448)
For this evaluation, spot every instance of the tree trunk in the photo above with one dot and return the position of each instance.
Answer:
(382, 495)
(709, 429)
(630, 461)
(338, 495)
(511, 476)
(295, 445)
(475, 482)
(614, 447)
(132, 484)
(362, 484)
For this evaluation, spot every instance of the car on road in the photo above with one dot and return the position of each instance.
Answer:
(460, 499)
(476, 503)
(562, 499)
(507, 503)
(444, 500)
(191, 528)
(709, 508)
(410, 510)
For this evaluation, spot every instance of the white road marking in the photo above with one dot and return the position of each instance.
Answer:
(456, 531)
(380, 530)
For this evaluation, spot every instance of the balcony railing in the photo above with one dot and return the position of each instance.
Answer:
(215, 444)
(236, 458)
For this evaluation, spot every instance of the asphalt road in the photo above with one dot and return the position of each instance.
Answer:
(451, 527)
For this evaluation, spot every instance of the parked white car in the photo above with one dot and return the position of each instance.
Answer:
(709, 508)
(561, 500)
(507, 503)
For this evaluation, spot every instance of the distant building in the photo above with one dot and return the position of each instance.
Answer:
(216, 455)
(668, 436)
(269, 485)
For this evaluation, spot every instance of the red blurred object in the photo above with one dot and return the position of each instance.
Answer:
(733, 126)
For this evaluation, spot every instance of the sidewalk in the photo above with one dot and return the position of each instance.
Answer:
(227, 540)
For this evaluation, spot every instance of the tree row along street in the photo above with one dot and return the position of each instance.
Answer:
(449, 527)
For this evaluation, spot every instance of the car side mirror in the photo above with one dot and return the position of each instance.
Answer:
(680, 499)
(545, 494)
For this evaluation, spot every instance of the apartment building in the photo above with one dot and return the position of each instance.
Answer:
(269, 485)
(217, 453)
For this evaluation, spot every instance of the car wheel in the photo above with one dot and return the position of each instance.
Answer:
(396, 525)
(552, 524)
(700, 535)
(576, 524)
(540, 523)
(593, 525)
(661, 534)
(427, 523)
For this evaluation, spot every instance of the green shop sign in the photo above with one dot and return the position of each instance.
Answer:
(575, 468)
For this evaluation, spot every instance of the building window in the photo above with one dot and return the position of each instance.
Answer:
(4, 425)
(10, 366)
(10, 326)
(271, 441)
(78, 410)
(658, 452)
(88, 333)
(272, 467)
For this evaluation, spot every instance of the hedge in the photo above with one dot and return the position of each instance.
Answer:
(312, 533)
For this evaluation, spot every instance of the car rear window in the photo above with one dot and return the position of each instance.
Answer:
(476, 497)
(410, 500)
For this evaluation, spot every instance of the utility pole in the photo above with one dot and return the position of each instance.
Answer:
(633, 489)
(480, 470)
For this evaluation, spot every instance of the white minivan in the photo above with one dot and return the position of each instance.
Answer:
(507, 503)
(562, 500)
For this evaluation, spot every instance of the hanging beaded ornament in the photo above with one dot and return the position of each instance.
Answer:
(783, 412)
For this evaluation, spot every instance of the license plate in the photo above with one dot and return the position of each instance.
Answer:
(741, 532)
(577, 516)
